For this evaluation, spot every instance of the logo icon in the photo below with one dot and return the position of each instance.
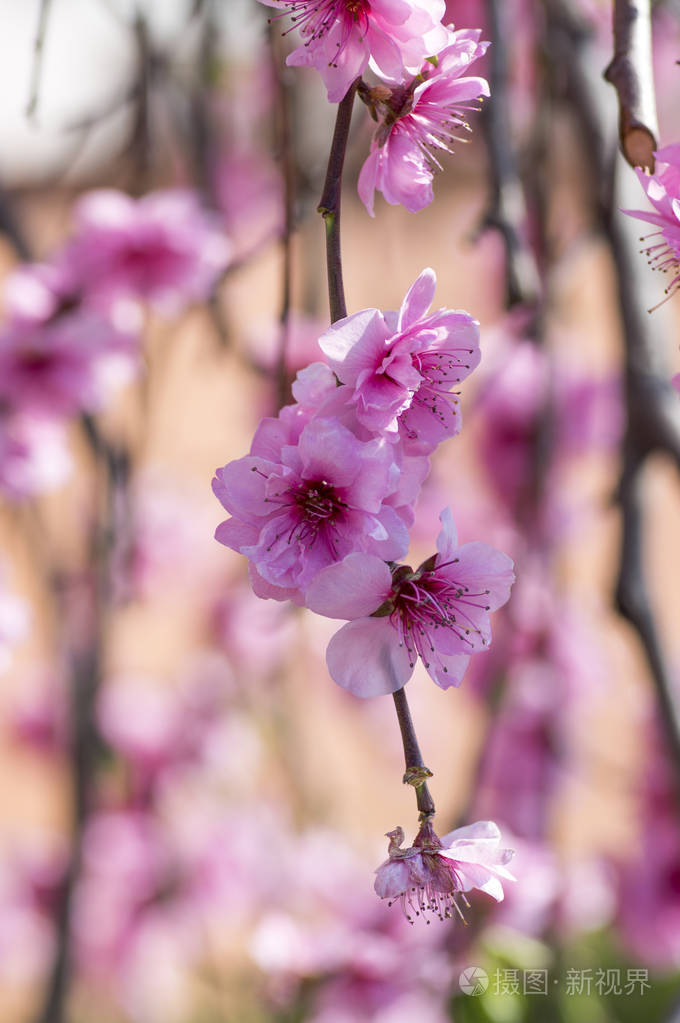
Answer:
(473, 981)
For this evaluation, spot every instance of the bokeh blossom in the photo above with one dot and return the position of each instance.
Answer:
(402, 366)
(427, 876)
(418, 119)
(341, 37)
(439, 613)
(162, 249)
(34, 454)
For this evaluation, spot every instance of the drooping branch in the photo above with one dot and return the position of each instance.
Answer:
(651, 405)
(329, 205)
(416, 772)
(286, 158)
(507, 209)
(86, 642)
(631, 74)
(36, 69)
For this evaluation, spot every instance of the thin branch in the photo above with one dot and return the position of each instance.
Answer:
(653, 411)
(329, 206)
(285, 154)
(36, 70)
(631, 74)
(507, 210)
(416, 771)
(86, 669)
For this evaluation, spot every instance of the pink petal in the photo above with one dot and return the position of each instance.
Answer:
(418, 298)
(365, 658)
(351, 588)
(368, 177)
(240, 487)
(392, 879)
(447, 541)
(356, 343)
(446, 669)
(236, 534)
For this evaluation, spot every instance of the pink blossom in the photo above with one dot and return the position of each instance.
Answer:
(402, 366)
(427, 876)
(419, 118)
(162, 248)
(59, 353)
(38, 716)
(520, 389)
(663, 191)
(340, 37)
(34, 455)
(297, 507)
(439, 613)
(14, 622)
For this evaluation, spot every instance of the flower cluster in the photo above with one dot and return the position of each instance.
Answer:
(424, 91)
(322, 504)
(71, 337)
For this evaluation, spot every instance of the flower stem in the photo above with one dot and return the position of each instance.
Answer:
(416, 772)
(329, 206)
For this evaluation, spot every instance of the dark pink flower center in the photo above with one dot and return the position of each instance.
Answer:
(315, 18)
(315, 507)
(423, 602)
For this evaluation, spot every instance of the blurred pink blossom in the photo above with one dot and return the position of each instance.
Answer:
(255, 634)
(162, 248)
(38, 716)
(34, 454)
(250, 194)
(15, 617)
(648, 917)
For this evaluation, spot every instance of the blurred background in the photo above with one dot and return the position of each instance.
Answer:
(191, 810)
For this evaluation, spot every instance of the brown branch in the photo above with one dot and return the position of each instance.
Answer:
(416, 771)
(285, 155)
(36, 69)
(631, 74)
(652, 408)
(329, 205)
(507, 209)
(86, 655)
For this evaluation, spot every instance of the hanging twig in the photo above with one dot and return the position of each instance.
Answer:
(86, 657)
(652, 407)
(329, 206)
(286, 159)
(507, 209)
(36, 69)
(631, 74)
(416, 772)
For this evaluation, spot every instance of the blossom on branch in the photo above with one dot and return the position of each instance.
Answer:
(439, 612)
(663, 191)
(418, 119)
(401, 366)
(341, 37)
(428, 876)
(300, 503)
